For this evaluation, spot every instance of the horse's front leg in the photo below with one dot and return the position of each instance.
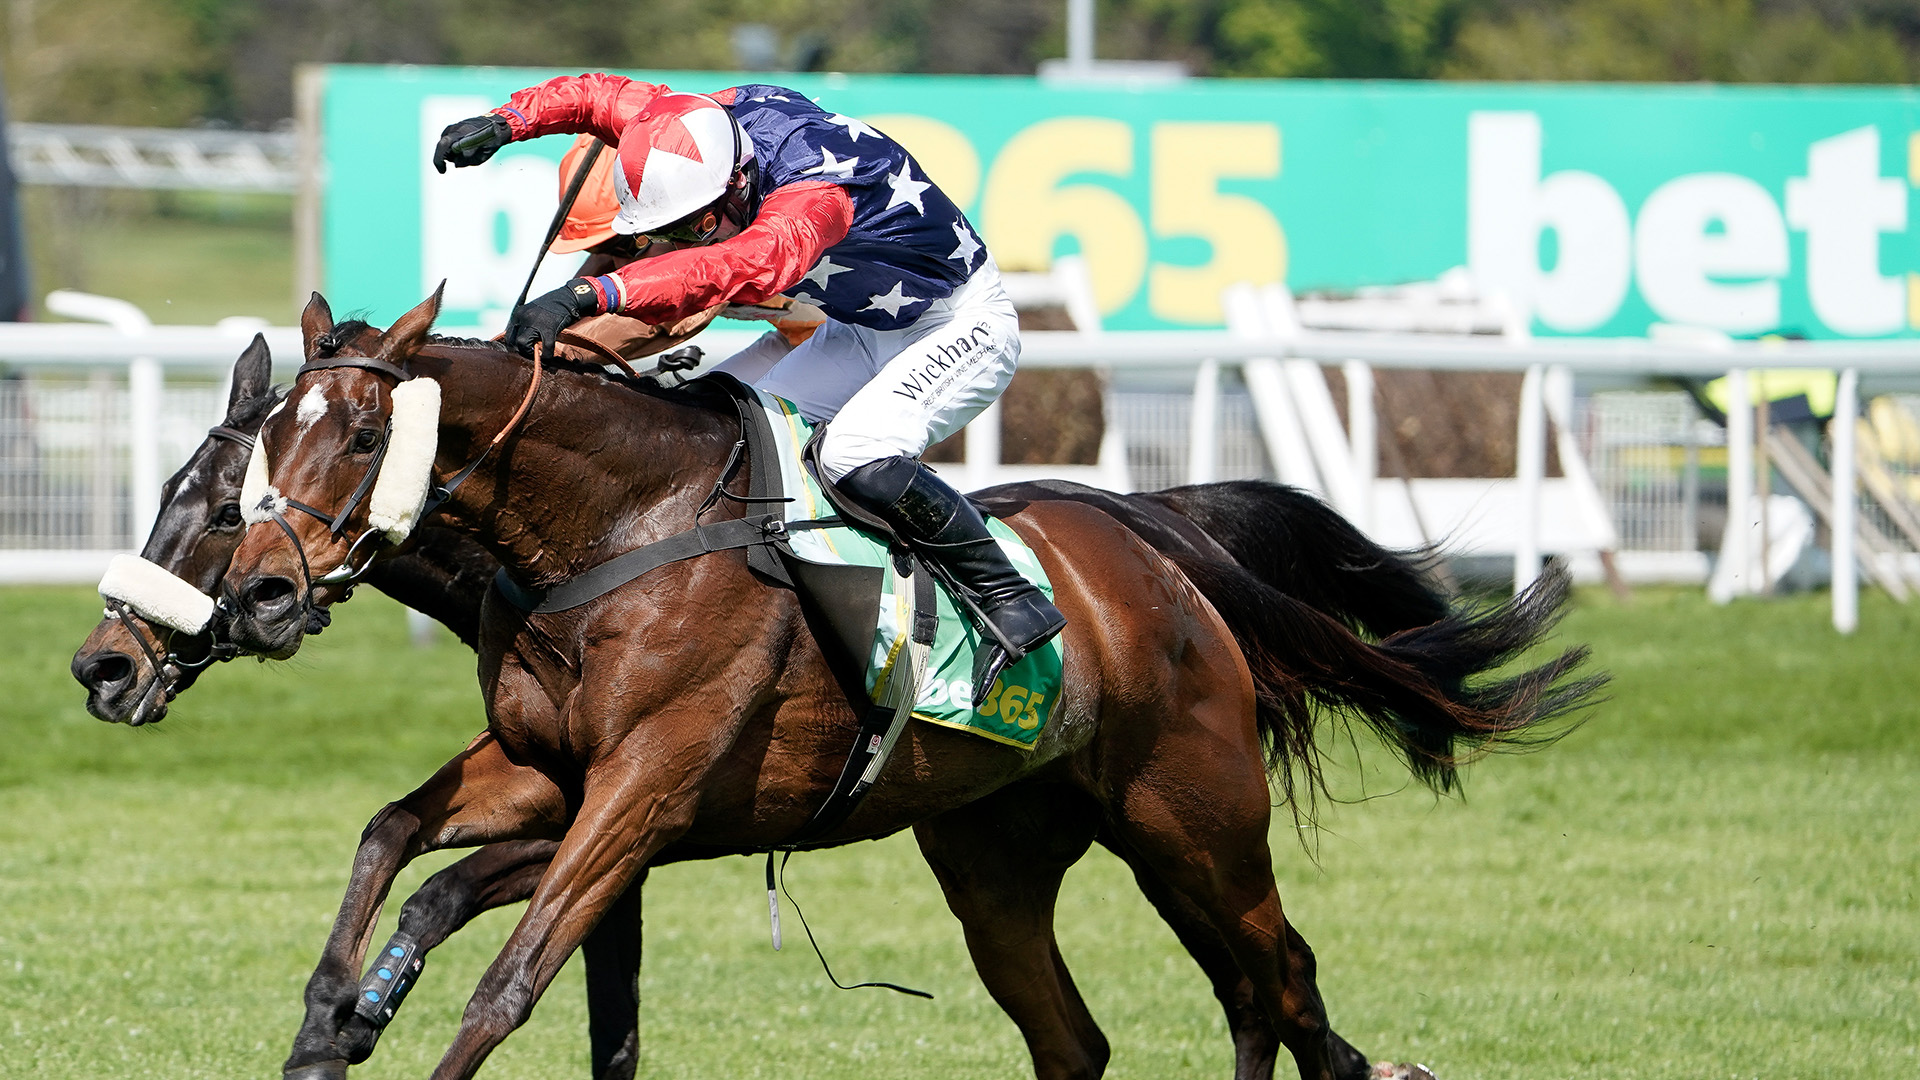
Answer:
(479, 797)
(637, 799)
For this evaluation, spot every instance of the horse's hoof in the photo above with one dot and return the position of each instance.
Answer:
(319, 1070)
(1404, 1070)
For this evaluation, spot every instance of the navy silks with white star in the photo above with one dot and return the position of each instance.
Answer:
(909, 245)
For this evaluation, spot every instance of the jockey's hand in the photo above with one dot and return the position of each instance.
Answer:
(471, 141)
(538, 322)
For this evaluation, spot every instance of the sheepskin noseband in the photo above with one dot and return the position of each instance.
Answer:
(407, 473)
(406, 470)
(156, 594)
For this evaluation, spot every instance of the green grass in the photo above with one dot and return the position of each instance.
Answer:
(1713, 878)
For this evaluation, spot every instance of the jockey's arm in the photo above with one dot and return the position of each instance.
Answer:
(595, 104)
(795, 226)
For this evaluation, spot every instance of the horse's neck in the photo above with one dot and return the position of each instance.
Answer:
(444, 577)
(594, 470)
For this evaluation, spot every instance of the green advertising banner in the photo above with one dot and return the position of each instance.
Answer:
(1599, 210)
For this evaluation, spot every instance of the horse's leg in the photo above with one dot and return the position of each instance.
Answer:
(1255, 1042)
(636, 801)
(612, 956)
(476, 798)
(507, 873)
(1197, 813)
(1000, 861)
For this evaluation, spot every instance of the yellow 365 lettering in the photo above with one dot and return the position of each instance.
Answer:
(1189, 161)
(1031, 718)
(1026, 205)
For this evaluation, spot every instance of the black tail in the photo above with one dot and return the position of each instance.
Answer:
(1297, 584)
(1304, 580)
(1299, 545)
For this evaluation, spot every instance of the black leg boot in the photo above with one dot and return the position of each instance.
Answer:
(941, 525)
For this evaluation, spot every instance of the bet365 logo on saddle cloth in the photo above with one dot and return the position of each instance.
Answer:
(1022, 698)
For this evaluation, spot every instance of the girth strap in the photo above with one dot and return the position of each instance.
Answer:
(882, 723)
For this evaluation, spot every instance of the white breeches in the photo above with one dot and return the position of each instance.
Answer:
(893, 392)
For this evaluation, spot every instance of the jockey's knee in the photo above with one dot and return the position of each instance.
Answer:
(841, 452)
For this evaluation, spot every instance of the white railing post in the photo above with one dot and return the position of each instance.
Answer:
(1530, 466)
(980, 448)
(1735, 576)
(1363, 445)
(1846, 575)
(1203, 431)
(145, 386)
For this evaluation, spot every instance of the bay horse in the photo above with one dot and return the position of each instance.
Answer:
(696, 705)
(1287, 538)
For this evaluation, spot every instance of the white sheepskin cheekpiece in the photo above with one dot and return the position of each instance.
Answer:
(255, 489)
(406, 472)
(156, 594)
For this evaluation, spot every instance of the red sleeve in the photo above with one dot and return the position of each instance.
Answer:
(795, 226)
(597, 104)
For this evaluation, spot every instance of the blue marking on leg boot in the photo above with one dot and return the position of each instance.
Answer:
(386, 983)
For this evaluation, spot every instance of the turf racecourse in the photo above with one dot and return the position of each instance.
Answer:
(1714, 878)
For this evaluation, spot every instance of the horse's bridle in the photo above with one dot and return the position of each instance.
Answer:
(372, 539)
(168, 665)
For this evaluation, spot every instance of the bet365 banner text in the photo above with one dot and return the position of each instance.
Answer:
(1598, 209)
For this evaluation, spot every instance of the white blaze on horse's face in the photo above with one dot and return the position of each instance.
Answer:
(313, 406)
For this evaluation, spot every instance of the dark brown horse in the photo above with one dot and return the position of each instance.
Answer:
(695, 704)
(1290, 540)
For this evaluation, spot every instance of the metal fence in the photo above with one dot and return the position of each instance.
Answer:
(65, 457)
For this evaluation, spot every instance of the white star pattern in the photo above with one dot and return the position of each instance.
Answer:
(905, 188)
(804, 298)
(968, 245)
(823, 273)
(855, 128)
(832, 166)
(892, 301)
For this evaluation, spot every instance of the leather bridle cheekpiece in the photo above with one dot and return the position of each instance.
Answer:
(372, 539)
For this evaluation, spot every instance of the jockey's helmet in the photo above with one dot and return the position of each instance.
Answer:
(683, 153)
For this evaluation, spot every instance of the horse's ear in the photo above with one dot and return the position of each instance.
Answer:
(252, 376)
(314, 322)
(409, 331)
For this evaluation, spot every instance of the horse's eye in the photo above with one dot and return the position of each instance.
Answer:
(227, 517)
(365, 440)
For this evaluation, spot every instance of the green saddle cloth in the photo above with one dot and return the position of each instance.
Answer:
(1022, 698)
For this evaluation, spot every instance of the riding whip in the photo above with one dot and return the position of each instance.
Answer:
(574, 185)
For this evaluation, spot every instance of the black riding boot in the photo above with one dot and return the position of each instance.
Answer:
(940, 524)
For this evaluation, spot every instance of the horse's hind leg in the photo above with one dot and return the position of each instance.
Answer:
(1193, 803)
(1000, 862)
(1255, 1042)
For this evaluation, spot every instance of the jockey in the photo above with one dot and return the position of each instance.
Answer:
(765, 195)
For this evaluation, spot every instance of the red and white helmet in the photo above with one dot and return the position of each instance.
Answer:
(676, 157)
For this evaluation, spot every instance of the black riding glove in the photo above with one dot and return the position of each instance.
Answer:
(471, 141)
(540, 320)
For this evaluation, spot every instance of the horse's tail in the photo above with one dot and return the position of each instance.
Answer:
(1291, 540)
(1304, 578)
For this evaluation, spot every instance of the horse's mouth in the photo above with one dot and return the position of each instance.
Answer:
(145, 702)
(152, 707)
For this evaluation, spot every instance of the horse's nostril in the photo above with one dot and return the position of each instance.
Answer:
(108, 669)
(267, 594)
